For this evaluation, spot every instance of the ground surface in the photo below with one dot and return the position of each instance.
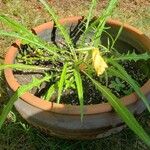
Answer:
(16, 133)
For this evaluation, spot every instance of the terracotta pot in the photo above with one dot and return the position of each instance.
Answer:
(64, 120)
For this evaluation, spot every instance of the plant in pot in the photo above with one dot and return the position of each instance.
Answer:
(79, 68)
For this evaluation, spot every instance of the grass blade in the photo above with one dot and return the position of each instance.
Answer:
(50, 92)
(60, 27)
(131, 56)
(102, 21)
(41, 44)
(22, 66)
(55, 19)
(15, 25)
(117, 36)
(61, 82)
(99, 24)
(21, 90)
(78, 81)
(122, 111)
(89, 16)
(121, 73)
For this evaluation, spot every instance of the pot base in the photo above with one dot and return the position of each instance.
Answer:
(71, 127)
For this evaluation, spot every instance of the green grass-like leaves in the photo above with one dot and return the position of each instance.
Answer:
(131, 57)
(22, 66)
(62, 82)
(26, 35)
(101, 22)
(90, 14)
(50, 92)
(78, 81)
(60, 27)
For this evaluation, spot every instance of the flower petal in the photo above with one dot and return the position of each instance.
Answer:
(98, 62)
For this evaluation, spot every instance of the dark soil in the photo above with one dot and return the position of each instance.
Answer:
(91, 95)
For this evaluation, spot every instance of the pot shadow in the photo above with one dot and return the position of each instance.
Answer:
(47, 125)
(48, 128)
(70, 126)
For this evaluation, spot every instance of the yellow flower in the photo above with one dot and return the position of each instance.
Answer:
(98, 62)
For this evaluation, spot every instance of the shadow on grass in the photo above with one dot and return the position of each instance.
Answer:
(1, 57)
(20, 135)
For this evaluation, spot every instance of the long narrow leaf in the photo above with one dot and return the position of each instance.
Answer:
(52, 49)
(89, 16)
(60, 27)
(99, 24)
(20, 29)
(122, 111)
(102, 21)
(14, 25)
(21, 90)
(22, 66)
(61, 82)
(50, 92)
(131, 56)
(55, 18)
(117, 36)
(78, 81)
(25, 34)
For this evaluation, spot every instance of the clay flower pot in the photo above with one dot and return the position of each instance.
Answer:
(64, 120)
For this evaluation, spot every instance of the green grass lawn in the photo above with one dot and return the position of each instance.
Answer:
(17, 134)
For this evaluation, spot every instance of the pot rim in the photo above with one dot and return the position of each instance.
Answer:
(66, 108)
